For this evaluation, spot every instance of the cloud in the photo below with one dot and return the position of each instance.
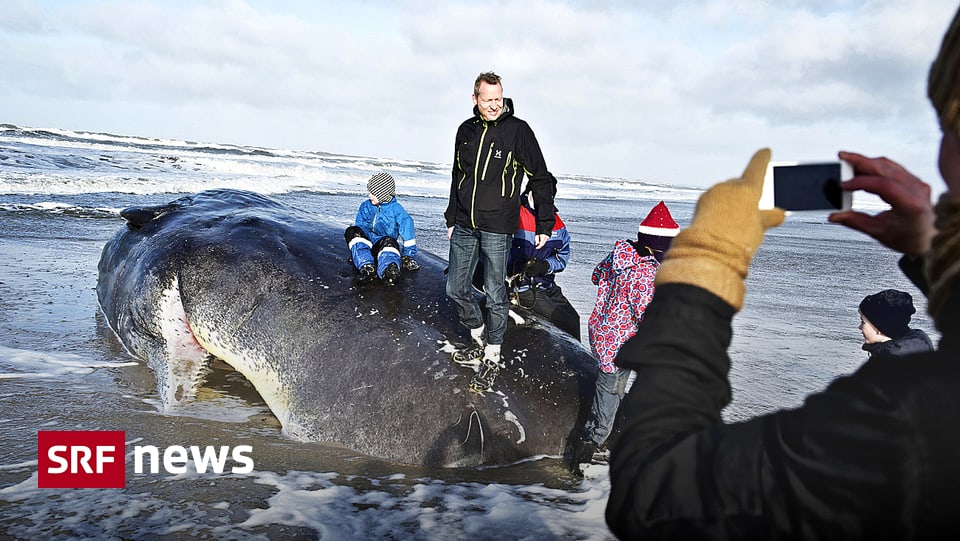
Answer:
(676, 92)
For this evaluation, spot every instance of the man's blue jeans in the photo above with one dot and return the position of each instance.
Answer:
(611, 386)
(467, 246)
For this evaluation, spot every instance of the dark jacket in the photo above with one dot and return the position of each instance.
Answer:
(489, 163)
(556, 252)
(876, 455)
(914, 341)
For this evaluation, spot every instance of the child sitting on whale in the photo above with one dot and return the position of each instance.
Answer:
(382, 239)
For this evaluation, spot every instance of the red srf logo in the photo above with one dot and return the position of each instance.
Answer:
(81, 459)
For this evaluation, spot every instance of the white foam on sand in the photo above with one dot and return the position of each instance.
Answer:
(435, 509)
(25, 363)
(388, 507)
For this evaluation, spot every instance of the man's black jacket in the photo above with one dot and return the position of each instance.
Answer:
(489, 164)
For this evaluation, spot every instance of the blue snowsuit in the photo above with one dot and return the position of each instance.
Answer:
(388, 234)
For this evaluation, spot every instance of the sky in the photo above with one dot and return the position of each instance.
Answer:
(672, 92)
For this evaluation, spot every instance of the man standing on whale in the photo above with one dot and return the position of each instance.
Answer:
(493, 151)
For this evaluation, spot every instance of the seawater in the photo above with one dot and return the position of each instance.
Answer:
(61, 368)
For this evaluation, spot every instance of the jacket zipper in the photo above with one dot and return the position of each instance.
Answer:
(486, 162)
(476, 178)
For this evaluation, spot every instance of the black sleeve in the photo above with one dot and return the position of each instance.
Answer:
(542, 182)
(450, 214)
(835, 468)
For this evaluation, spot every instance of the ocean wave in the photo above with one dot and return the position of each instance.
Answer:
(57, 161)
(66, 209)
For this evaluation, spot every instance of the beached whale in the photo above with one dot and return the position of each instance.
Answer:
(269, 290)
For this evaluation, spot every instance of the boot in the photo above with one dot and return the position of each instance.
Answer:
(483, 380)
(583, 452)
(367, 274)
(391, 275)
(602, 454)
(474, 351)
(468, 355)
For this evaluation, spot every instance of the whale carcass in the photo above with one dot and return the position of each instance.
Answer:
(268, 289)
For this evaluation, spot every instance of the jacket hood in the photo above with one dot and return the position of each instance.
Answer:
(625, 255)
(507, 110)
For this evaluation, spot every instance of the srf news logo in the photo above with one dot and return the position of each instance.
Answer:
(97, 459)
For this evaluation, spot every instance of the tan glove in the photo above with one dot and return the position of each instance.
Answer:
(727, 228)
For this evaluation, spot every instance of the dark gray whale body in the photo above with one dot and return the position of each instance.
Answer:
(268, 289)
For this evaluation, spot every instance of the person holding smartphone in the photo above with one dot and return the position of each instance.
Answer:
(875, 455)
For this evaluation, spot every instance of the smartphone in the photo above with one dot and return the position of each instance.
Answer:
(806, 186)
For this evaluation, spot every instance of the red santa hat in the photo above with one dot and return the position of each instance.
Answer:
(659, 223)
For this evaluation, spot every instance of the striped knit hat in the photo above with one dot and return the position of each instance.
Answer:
(382, 186)
(943, 85)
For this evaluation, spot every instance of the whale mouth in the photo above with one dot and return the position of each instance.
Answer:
(186, 361)
(182, 371)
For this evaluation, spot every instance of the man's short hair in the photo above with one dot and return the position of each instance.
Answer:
(488, 77)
